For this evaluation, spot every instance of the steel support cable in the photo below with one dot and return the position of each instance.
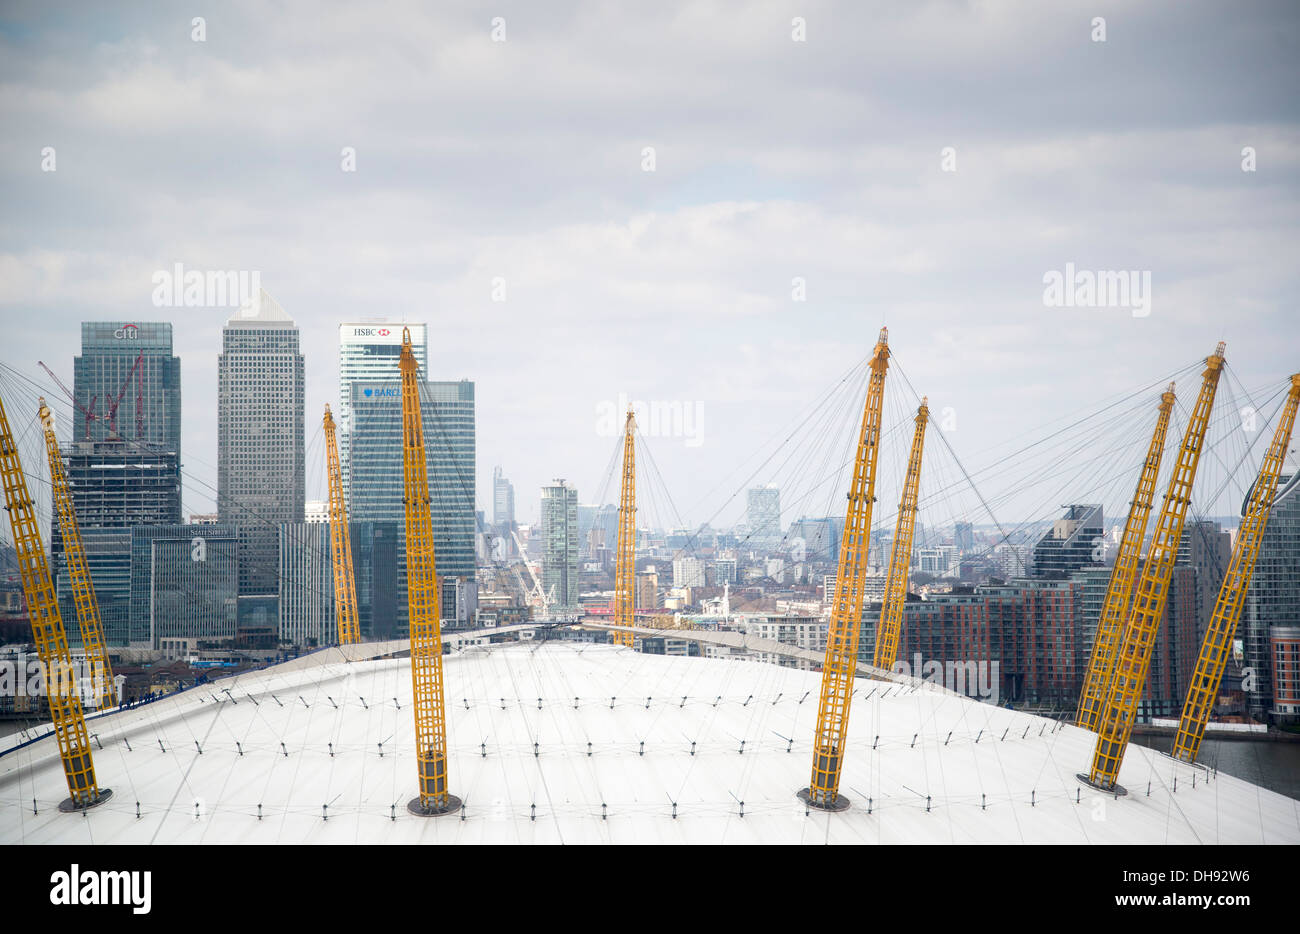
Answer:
(860, 368)
(1139, 395)
(825, 423)
(791, 433)
(822, 413)
(1142, 392)
(1064, 458)
(1076, 469)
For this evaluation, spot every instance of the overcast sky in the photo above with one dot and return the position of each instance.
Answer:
(921, 165)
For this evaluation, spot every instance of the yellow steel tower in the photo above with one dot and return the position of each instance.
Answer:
(47, 631)
(422, 603)
(345, 587)
(1134, 657)
(846, 613)
(1114, 609)
(83, 589)
(1232, 595)
(625, 566)
(891, 613)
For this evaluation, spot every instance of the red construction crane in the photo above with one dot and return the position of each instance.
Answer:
(88, 412)
(137, 370)
(111, 404)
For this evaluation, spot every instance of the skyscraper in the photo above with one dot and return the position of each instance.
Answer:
(260, 469)
(122, 458)
(127, 384)
(369, 352)
(963, 537)
(1076, 540)
(560, 542)
(306, 605)
(1205, 547)
(450, 448)
(503, 499)
(1274, 592)
(763, 516)
(377, 486)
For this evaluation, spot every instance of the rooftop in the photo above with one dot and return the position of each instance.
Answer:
(554, 743)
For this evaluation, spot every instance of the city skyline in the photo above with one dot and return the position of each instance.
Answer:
(525, 227)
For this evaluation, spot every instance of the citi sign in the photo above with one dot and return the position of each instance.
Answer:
(381, 392)
(127, 332)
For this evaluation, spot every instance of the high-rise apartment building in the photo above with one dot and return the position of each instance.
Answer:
(560, 543)
(963, 537)
(369, 352)
(688, 571)
(1273, 600)
(1206, 548)
(260, 457)
(763, 516)
(1074, 541)
(647, 590)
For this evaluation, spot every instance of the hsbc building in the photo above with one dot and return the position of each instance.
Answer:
(368, 352)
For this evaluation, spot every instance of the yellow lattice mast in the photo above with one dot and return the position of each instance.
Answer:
(83, 589)
(1134, 657)
(424, 609)
(900, 559)
(625, 564)
(47, 631)
(345, 587)
(1232, 595)
(1115, 607)
(846, 612)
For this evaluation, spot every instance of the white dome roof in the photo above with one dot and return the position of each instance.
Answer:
(991, 775)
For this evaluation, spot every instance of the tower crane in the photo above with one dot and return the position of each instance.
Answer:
(89, 413)
(47, 631)
(891, 611)
(537, 597)
(345, 587)
(1119, 593)
(424, 608)
(625, 562)
(846, 612)
(1134, 657)
(111, 404)
(1232, 595)
(83, 588)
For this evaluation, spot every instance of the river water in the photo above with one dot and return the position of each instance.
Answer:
(1275, 766)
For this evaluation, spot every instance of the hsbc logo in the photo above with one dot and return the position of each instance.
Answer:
(371, 332)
